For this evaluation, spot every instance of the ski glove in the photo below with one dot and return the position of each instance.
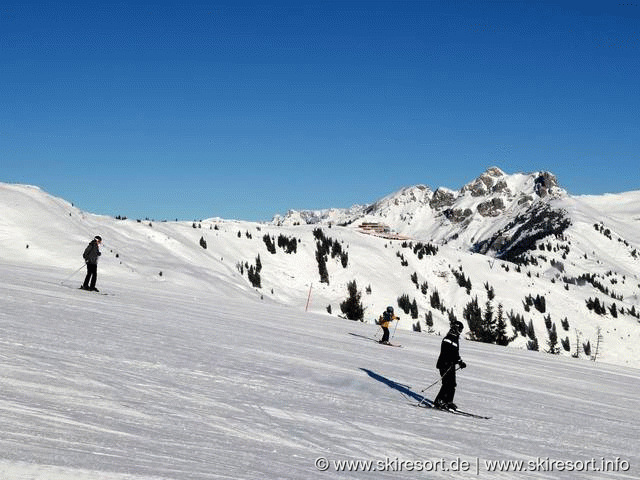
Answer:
(462, 364)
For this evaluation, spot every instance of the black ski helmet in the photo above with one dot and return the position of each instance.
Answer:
(390, 309)
(457, 326)
(98, 238)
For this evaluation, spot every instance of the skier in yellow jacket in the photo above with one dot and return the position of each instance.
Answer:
(385, 319)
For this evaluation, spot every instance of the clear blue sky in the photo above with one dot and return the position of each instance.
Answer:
(246, 109)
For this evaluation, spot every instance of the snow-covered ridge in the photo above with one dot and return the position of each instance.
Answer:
(466, 216)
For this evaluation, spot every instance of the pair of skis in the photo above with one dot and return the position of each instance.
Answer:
(387, 344)
(451, 410)
(455, 411)
(95, 291)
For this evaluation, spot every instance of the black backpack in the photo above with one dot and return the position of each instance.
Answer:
(85, 255)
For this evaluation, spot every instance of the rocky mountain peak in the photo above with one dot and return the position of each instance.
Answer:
(491, 181)
(469, 215)
(546, 183)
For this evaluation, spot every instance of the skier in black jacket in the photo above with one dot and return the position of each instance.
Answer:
(90, 255)
(447, 361)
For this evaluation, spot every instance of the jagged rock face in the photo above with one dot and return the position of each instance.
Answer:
(486, 183)
(442, 198)
(520, 235)
(491, 208)
(457, 215)
(545, 183)
(525, 199)
(501, 187)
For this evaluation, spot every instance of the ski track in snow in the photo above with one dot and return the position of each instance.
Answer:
(160, 381)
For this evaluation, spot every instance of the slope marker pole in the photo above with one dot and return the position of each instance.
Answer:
(308, 298)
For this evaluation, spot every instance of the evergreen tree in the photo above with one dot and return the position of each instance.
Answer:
(322, 265)
(435, 300)
(531, 331)
(552, 343)
(414, 309)
(472, 313)
(488, 324)
(352, 306)
(404, 302)
(271, 247)
(254, 277)
(344, 259)
(491, 294)
(501, 337)
(540, 303)
(428, 318)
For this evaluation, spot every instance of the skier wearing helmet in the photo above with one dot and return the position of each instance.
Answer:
(90, 255)
(385, 319)
(447, 361)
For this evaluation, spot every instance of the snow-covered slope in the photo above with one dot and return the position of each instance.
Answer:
(594, 257)
(163, 380)
(186, 371)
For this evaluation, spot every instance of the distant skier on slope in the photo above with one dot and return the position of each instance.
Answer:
(385, 319)
(90, 255)
(447, 361)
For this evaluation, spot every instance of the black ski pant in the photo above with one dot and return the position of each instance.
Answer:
(448, 389)
(385, 334)
(92, 276)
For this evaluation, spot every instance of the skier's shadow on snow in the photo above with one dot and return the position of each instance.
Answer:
(403, 389)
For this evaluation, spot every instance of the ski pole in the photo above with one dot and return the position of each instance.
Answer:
(69, 277)
(435, 383)
(377, 332)
(394, 328)
(439, 379)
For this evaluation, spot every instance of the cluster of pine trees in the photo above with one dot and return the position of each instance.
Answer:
(487, 326)
(326, 246)
(268, 241)
(253, 272)
(288, 244)
(408, 306)
(421, 249)
(539, 303)
(462, 280)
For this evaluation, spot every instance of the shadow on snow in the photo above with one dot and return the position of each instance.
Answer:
(403, 389)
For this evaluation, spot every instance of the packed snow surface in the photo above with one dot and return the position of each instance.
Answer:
(155, 381)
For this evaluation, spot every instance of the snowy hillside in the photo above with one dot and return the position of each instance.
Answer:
(195, 374)
(572, 250)
(552, 286)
